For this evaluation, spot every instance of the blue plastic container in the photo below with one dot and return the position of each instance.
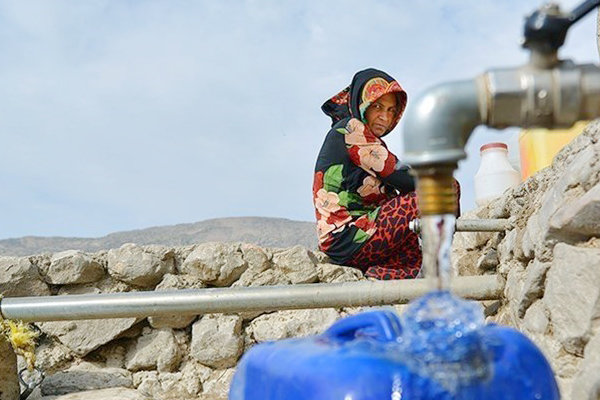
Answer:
(369, 356)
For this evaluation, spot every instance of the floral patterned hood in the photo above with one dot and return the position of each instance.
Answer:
(366, 87)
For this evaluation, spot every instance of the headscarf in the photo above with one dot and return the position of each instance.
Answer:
(366, 87)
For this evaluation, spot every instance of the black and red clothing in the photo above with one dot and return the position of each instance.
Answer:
(364, 197)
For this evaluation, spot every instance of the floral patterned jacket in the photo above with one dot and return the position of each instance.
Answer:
(355, 172)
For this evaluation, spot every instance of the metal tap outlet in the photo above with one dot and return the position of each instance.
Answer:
(545, 92)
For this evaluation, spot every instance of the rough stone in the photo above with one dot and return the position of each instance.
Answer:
(563, 363)
(104, 285)
(218, 264)
(518, 250)
(498, 208)
(533, 286)
(78, 289)
(19, 277)
(217, 386)
(52, 356)
(464, 262)
(147, 383)
(332, 273)
(536, 318)
(531, 236)
(505, 316)
(133, 332)
(565, 385)
(567, 187)
(258, 262)
(181, 253)
(72, 267)
(472, 240)
(84, 336)
(298, 263)
(587, 381)
(185, 384)
(118, 393)
(270, 277)
(85, 376)
(508, 245)
(176, 282)
(189, 380)
(579, 218)
(291, 323)
(114, 353)
(139, 267)
(491, 307)
(9, 383)
(514, 284)
(488, 261)
(572, 294)
(154, 349)
(321, 257)
(216, 340)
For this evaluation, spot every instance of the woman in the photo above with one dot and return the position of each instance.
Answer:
(363, 196)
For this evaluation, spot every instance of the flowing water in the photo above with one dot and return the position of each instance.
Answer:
(436, 234)
(441, 341)
(440, 338)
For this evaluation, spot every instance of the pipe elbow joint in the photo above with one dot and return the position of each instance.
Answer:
(439, 123)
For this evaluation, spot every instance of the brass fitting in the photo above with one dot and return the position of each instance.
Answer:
(436, 193)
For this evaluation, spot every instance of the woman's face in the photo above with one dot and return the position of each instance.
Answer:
(381, 114)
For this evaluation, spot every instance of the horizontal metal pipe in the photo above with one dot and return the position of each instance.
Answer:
(471, 225)
(483, 225)
(230, 300)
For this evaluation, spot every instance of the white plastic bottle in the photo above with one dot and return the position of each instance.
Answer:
(495, 174)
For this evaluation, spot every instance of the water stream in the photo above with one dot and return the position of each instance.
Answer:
(440, 331)
(436, 234)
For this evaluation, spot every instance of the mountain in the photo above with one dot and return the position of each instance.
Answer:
(265, 232)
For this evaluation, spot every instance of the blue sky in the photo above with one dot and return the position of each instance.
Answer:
(120, 115)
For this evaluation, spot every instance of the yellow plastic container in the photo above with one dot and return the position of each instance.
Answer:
(539, 146)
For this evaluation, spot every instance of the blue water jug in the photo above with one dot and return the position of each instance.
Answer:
(378, 355)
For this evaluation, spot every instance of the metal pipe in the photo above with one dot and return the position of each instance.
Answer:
(483, 225)
(437, 126)
(231, 300)
(471, 225)
(545, 92)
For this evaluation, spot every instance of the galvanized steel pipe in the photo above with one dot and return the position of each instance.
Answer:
(471, 225)
(231, 300)
(483, 225)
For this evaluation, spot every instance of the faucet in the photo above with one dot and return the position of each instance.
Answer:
(545, 92)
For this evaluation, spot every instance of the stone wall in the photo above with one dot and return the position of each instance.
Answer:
(178, 357)
(551, 262)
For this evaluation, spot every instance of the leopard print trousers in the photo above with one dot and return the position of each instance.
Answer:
(393, 252)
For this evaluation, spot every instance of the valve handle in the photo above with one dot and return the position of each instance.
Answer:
(581, 10)
(546, 28)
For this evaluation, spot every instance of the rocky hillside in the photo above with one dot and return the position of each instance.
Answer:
(267, 232)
